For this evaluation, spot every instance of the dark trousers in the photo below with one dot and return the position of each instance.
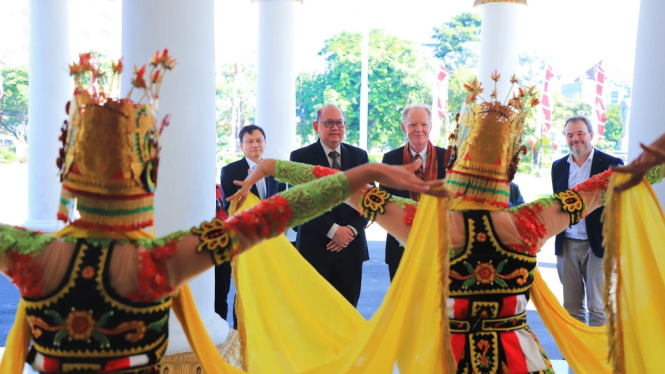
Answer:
(346, 277)
(392, 269)
(222, 287)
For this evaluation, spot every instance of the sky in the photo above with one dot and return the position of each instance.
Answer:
(572, 34)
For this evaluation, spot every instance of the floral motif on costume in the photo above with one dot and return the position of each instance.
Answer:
(214, 236)
(322, 171)
(573, 204)
(410, 214)
(153, 284)
(481, 237)
(262, 221)
(486, 273)
(374, 201)
(25, 273)
(81, 325)
(530, 229)
(596, 183)
(88, 272)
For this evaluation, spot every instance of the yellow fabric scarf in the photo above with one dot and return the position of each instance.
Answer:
(295, 322)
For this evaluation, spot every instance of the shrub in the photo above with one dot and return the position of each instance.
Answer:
(7, 156)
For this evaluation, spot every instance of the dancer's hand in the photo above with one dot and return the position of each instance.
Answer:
(648, 159)
(404, 178)
(264, 169)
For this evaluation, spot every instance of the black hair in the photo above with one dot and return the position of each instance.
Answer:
(248, 130)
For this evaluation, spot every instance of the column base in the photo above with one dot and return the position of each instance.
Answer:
(217, 328)
(45, 226)
(187, 362)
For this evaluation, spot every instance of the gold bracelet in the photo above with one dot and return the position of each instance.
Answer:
(573, 204)
(374, 201)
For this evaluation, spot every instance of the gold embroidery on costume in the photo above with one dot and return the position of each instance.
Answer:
(573, 204)
(215, 238)
(374, 201)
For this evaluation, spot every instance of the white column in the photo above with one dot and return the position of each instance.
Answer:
(646, 122)
(50, 89)
(364, 88)
(499, 44)
(276, 76)
(186, 182)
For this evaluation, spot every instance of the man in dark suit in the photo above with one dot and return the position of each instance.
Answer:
(253, 145)
(579, 249)
(416, 124)
(335, 242)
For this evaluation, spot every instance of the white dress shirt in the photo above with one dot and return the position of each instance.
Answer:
(261, 184)
(577, 175)
(334, 227)
(422, 154)
(328, 150)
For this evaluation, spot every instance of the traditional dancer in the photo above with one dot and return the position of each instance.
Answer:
(96, 296)
(493, 249)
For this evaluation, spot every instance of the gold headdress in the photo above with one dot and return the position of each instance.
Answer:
(110, 155)
(485, 150)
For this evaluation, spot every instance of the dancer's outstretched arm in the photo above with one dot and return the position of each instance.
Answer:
(653, 156)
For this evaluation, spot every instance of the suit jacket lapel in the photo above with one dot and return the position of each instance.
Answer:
(597, 164)
(253, 190)
(565, 173)
(320, 156)
(347, 162)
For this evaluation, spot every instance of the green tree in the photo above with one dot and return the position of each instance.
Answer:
(14, 102)
(457, 41)
(613, 124)
(245, 96)
(398, 76)
(456, 91)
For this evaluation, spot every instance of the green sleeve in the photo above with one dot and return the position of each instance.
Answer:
(310, 200)
(295, 173)
(273, 216)
(655, 175)
(22, 240)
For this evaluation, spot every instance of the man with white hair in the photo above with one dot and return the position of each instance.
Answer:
(416, 125)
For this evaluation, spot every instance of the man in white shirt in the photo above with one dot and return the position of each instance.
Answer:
(579, 249)
(334, 243)
(253, 145)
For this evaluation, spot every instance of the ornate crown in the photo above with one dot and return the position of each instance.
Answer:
(485, 149)
(110, 155)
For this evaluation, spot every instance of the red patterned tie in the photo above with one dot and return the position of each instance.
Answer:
(420, 172)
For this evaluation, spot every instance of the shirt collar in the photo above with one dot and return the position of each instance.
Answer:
(328, 150)
(589, 159)
(250, 163)
(422, 153)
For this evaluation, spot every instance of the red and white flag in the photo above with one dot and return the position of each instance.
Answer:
(599, 104)
(546, 100)
(440, 115)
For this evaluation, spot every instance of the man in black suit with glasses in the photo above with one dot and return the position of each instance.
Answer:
(335, 242)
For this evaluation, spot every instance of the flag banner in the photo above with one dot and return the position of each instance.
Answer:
(599, 105)
(546, 103)
(440, 115)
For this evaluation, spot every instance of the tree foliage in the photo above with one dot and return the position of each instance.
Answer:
(457, 41)
(398, 75)
(14, 102)
(613, 124)
(245, 100)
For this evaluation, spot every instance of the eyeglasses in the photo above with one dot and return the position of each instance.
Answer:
(330, 123)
